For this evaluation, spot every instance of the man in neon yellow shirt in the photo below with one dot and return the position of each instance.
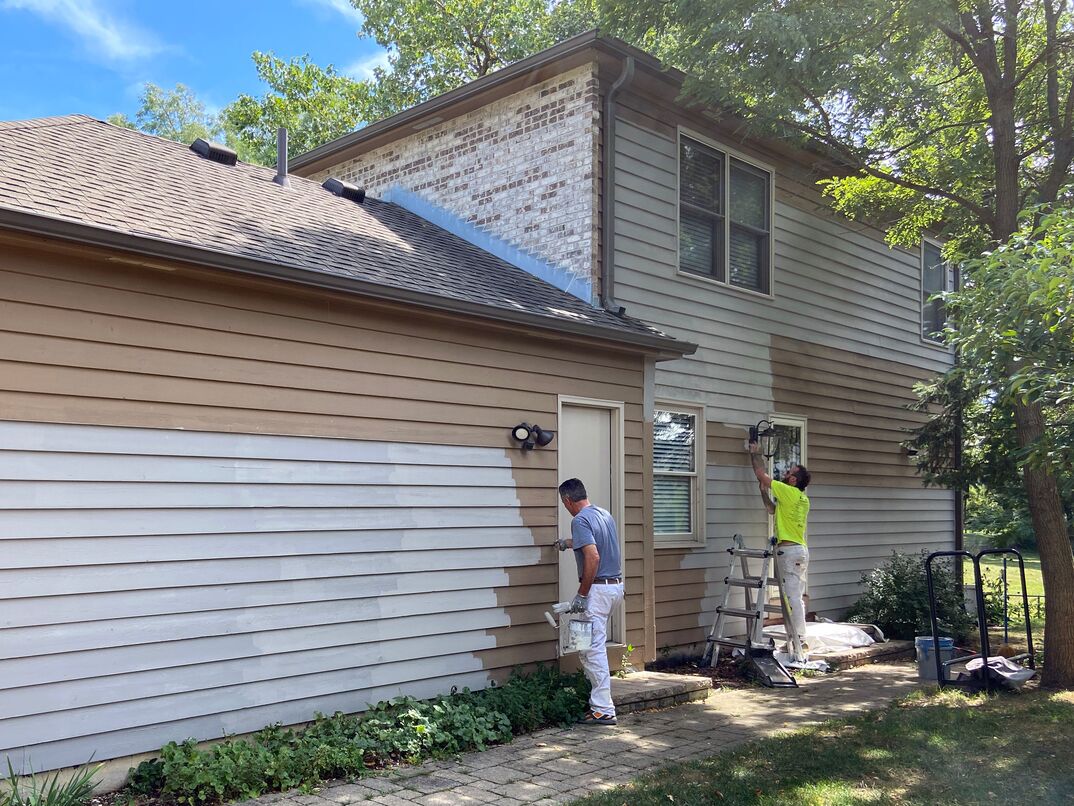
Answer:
(792, 509)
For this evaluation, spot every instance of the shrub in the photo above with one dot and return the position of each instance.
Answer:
(49, 791)
(345, 746)
(896, 599)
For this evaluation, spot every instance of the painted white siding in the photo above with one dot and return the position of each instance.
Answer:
(159, 584)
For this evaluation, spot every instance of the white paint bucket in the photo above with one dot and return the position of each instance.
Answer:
(579, 635)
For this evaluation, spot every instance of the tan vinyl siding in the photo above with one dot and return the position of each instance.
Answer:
(837, 342)
(293, 577)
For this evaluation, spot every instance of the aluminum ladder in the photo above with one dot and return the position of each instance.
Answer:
(757, 648)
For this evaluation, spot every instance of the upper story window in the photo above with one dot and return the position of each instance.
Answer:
(935, 279)
(725, 217)
(678, 500)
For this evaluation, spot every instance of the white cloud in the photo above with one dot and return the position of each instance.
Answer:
(342, 7)
(362, 70)
(100, 31)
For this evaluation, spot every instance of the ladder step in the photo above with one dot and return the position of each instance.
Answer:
(732, 642)
(737, 611)
(759, 553)
(744, 582)
(777, 609)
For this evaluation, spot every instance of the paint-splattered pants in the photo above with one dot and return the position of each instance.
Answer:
(603, 599)
(793, 564)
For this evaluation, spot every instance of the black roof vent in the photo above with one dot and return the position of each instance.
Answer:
(214, 152)
(345, 189)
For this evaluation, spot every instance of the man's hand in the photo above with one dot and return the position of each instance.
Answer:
(580, 604)
(562, 543)
(754, 447)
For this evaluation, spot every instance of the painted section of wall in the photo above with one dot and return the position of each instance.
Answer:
(520, 168)
(838, 342)
(163, 584)
(322, 505)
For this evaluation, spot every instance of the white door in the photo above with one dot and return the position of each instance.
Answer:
(590, 449)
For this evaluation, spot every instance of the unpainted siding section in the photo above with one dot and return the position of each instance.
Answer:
(838, 343)
(275, 502)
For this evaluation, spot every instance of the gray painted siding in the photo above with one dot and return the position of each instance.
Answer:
(297, 574)
(839, 286)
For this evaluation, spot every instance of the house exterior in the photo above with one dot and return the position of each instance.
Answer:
(255, 449)
(582, 158)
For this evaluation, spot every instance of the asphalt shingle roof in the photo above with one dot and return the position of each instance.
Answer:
(84, 171)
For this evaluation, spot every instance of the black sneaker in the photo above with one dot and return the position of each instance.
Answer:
(599, 718)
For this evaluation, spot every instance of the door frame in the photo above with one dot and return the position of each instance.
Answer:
(618, 483)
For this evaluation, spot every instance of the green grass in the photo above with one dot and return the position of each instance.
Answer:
(994, 565)
(929, 748)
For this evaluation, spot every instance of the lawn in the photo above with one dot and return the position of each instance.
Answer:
(929, 748)
(992, 566)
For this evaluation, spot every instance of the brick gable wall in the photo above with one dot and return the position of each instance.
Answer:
(521, 168)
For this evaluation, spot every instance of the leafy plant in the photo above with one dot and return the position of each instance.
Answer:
(49, 791)
(346, 746)
(626, 667)
(896, 599)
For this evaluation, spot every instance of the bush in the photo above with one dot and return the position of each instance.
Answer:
(896, 599)
(344, 746)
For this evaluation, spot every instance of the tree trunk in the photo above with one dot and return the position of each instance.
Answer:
(1056, 557)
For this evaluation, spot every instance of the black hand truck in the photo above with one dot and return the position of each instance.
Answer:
(979, 679)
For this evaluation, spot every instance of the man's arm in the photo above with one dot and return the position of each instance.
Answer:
(759, 468)
(769, 504)
(590, 562)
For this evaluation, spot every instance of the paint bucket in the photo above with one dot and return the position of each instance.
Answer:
(579, 635)
(926, 660)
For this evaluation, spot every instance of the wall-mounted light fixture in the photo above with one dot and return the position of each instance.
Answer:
(764, 434)
(531, 435)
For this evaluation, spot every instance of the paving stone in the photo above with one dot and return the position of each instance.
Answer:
(501, 775)
(429, 783)
(392, 800)
(382, 785)
(525, 791)
(349, 793)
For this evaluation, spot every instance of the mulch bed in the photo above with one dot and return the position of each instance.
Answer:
(727, 673)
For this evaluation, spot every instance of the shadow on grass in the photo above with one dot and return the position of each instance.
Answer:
(939, 748)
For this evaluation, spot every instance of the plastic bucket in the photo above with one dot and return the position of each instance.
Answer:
(579, 635)
(926, 660)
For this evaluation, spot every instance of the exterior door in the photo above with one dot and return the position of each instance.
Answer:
(590, 449)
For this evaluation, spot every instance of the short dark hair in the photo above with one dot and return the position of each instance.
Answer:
(801, 475)
(573, 490)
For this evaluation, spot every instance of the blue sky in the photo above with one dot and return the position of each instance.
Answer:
(58, 57)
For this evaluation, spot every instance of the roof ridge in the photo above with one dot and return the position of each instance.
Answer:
(41, 123)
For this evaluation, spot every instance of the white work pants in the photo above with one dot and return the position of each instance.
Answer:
(793, 564)
(603, 599)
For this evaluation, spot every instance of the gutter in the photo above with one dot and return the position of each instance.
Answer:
(62, 229)
(607, 211)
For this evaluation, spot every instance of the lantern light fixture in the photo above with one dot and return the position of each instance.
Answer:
(764, 434)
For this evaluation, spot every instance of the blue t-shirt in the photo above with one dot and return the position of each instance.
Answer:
(594, 526)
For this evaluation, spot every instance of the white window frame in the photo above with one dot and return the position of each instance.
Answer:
(802, 423)
(696, 537)
(948, 285)
(728, 154)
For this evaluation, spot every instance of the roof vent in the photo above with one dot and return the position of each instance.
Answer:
(214, 152)
(345, 189)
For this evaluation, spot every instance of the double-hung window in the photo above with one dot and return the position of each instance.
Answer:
(678, 461)
(725, 217)
(935, 279)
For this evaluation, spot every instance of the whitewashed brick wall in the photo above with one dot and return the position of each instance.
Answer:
(521, 168)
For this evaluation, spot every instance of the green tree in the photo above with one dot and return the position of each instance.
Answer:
(175, 114)
(954, 115)
(315, 104)
(437, 45)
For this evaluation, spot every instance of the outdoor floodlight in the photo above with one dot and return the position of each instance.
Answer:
(764, 434)
(532, 435)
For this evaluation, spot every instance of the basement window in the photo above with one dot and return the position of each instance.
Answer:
(936, 278)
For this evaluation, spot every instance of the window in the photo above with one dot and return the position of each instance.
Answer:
(790, 447)
(934, 280)
(725, 217)
(678, 511)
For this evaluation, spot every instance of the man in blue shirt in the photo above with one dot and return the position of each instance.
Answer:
(595, 541)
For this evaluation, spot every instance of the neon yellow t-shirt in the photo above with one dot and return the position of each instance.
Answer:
(792, 508)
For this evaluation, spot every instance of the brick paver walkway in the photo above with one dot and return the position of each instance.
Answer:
(559, 765)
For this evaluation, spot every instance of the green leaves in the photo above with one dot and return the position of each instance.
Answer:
(342, 746)
(75, 791)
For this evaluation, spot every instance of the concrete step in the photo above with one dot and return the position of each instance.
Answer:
(641, 691)
(877, 653)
